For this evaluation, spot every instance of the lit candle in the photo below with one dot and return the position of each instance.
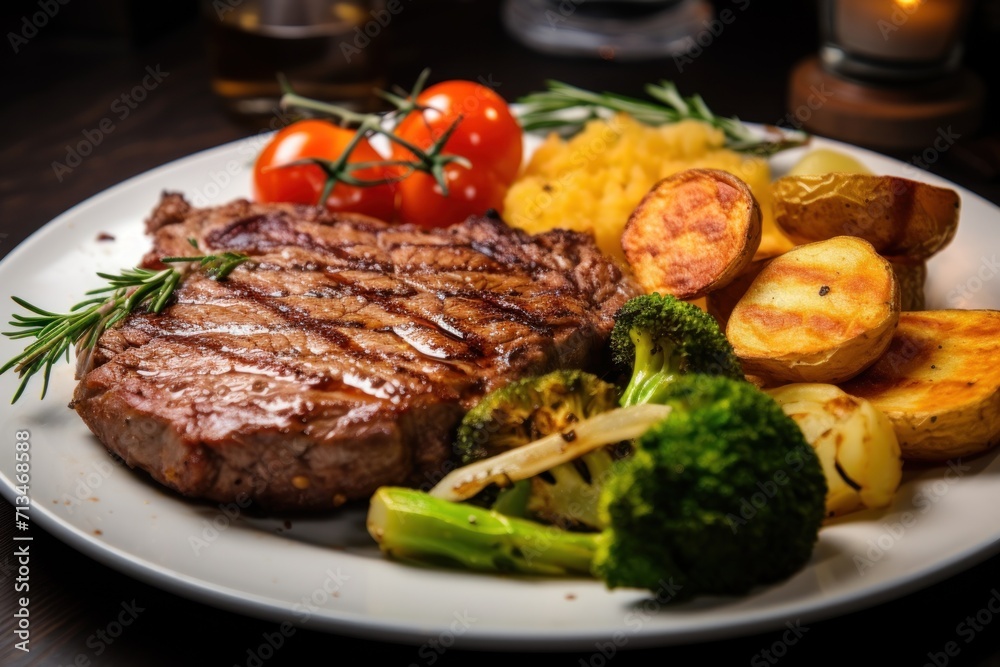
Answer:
(898, 30)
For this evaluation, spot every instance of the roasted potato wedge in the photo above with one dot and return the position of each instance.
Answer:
(692, 233)
(821, 312)
(912, 277)
(899, 217)
(939, 383)
(855, 442)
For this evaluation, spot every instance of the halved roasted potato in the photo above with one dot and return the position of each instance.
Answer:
(692, 232)
(898, 216)
(821, 312)
(911, 276)
(939, 383)
(855, 442)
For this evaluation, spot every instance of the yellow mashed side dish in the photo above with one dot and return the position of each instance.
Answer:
(592, 181)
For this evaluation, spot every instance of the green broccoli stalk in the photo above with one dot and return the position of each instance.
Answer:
(416, 527)
(675, 509)
(661, 338)
(526, 410)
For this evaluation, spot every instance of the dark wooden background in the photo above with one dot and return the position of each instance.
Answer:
(63, 81)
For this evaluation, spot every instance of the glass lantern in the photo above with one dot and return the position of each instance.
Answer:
(892, 40)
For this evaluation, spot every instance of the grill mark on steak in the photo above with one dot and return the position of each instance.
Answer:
(343, 355)
(385, 298)
(295, 317)
(472, 347)
(258, 234)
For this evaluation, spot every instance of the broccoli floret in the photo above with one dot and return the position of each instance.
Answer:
(526, 410)
(722, 495)
(729, 485)
(659, 338)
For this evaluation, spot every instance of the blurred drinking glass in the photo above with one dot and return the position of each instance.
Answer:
(608, 29)
(331, 50)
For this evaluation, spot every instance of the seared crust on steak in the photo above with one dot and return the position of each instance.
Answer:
(340, 357)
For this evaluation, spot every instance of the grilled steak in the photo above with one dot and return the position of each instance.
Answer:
(342, 356)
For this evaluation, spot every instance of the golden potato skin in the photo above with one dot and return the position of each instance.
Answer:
(939, 383)
(912, 277)
(692, 232)
(821, 312)
(898, 216)
(856, 444)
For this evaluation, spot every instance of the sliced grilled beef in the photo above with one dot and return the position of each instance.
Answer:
(342, 356)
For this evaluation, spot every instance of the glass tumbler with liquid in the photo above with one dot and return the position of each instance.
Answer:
(331, 50)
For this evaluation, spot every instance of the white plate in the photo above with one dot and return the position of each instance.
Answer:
(325, 574)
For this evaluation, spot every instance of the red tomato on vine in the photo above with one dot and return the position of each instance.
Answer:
(303, 184)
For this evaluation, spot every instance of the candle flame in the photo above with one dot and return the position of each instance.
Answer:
(908, 5)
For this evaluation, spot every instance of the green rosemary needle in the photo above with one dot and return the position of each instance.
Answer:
(55, 333)
(566, 108)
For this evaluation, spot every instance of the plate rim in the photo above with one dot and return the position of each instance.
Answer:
(239, 602)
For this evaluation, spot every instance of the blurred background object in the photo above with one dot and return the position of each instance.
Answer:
(893, 40)
(331, 50)
(889, 73)
(609, 29)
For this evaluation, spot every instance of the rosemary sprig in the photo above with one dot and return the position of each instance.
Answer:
(567, 108)
(55, 333)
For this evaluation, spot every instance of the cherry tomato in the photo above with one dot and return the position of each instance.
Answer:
(304, 184)
(488, 134)
(470, 192)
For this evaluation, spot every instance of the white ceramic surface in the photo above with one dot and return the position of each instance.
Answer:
(326, 574)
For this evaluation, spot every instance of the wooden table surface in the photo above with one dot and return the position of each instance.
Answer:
(62, 83)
